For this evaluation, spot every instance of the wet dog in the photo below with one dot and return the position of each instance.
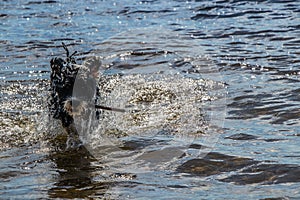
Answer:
(73, 91)
(62, 78)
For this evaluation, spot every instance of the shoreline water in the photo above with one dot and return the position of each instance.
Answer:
(252, 45)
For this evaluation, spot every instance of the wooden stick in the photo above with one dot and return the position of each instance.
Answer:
(109, 108)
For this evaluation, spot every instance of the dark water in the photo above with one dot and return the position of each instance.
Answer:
(250, 124)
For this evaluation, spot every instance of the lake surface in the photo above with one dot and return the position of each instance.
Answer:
(215, 84)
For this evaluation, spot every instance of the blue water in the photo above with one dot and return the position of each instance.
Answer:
(252, 47)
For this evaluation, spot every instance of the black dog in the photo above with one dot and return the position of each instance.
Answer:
(73, 89)
(72, 86)
(62, 79)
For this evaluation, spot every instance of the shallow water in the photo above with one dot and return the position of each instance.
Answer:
(233, 64)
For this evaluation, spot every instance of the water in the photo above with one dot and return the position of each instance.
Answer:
(251, 46)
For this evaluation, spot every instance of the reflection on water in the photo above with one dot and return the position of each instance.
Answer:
(75, 178)
(255, 46)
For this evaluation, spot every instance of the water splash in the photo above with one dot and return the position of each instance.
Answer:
(168, 92)
(21, 109)
(174, 99)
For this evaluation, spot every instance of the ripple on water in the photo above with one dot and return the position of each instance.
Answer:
(253, 43)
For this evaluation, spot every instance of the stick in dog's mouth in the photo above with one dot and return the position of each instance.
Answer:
(76, 108)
